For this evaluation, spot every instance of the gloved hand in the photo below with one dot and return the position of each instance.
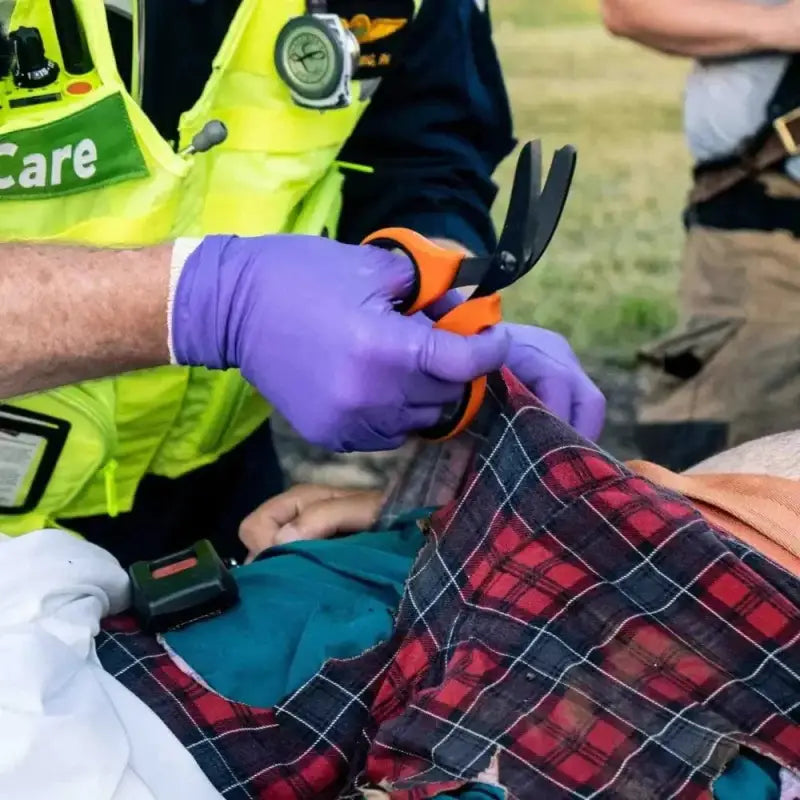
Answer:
(310, 323)
(546, 364)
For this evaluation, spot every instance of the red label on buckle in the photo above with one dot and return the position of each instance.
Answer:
(173, 569)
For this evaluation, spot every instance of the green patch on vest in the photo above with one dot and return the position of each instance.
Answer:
(91, 148)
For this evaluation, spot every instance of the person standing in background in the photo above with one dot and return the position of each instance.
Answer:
(731, 370)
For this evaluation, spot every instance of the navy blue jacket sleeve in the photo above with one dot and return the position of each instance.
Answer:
(434, 133)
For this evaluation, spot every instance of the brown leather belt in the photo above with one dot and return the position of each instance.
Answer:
(782, 142)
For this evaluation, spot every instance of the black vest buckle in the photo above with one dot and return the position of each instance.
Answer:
(174, 591)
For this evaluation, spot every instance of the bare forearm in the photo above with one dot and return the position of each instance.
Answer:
(706, 28)
(71, 314)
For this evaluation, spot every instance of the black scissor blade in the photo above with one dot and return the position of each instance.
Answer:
(472, 271)
(509, 260)
(552, 202)
(516, 237)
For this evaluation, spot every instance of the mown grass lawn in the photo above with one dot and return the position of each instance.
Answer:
(610, 277)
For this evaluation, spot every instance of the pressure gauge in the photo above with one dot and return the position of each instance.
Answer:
(316, 57)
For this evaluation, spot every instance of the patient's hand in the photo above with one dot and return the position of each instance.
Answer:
(308, 512)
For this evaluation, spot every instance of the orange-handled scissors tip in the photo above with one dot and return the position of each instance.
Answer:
(532, 218)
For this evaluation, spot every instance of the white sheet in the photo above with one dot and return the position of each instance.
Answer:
(67, 728)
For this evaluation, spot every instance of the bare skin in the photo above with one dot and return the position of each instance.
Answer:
(777, 455)
(71, 314)
(310, 511)
(706, 28)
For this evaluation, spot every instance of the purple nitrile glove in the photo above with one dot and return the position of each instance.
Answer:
(547, 365)
(544, 361)
(310, 323)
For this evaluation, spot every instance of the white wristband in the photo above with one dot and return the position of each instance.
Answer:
(181, 250)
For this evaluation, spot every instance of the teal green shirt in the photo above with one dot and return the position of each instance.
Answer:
(305, 603)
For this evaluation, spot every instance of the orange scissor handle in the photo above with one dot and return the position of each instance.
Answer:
(467, 319)
(435, 271)
(435, 267)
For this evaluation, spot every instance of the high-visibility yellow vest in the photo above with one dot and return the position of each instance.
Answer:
(91, 169)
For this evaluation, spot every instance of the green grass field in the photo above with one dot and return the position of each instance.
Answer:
(610, 277)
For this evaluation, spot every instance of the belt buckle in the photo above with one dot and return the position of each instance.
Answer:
(171, 592)
(782, 128)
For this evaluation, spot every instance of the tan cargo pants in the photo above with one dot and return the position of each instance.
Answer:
(731, 371)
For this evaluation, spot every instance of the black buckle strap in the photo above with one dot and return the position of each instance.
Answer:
(181, 588)
(783, 109)
(786, 97)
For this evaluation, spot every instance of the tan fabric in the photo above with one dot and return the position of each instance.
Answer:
(772, 151)
(740, 303)
(777, 455)
(760, 510)
(780, 185)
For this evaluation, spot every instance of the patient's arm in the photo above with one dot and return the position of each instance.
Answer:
(706, 28)
(777, 455)
(308, 512)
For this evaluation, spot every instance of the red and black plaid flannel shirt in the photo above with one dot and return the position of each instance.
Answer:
(586, 627)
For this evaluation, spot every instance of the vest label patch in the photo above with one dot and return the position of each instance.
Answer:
(381, 27)
(87, 150)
